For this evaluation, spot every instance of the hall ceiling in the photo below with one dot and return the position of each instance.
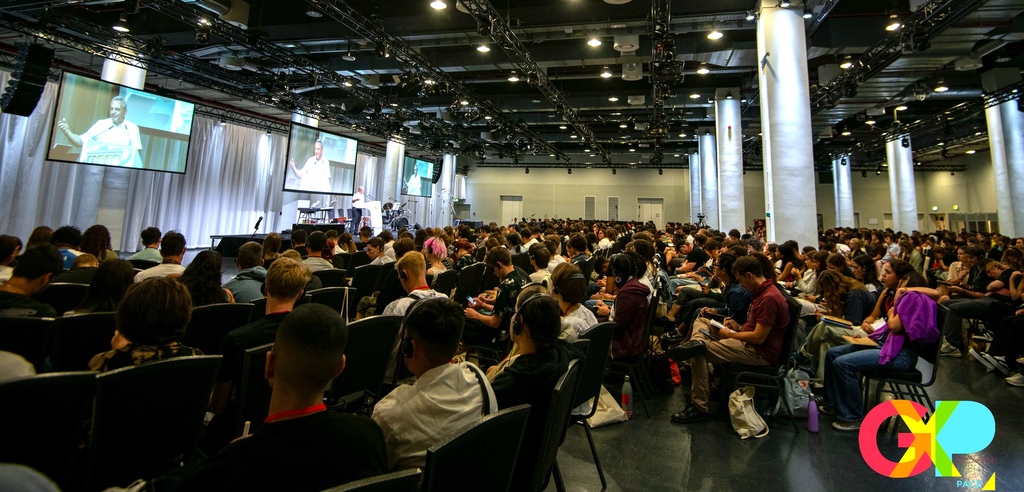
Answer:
(286, 61)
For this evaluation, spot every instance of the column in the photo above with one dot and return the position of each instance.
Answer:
(1007, 147)
(709, 179)
(901, 184)
(729, 130)
(116, 72)
(844, 191)
(790, 210)
(695, 202)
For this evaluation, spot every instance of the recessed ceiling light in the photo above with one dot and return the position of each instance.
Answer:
(488, 117)
(682, 135)
(703, 69)
(464, 102)
(941, 86)
(438, 5)
(972, 151)
(675, 155)
(694, 96)
(594, 42)
(575, 136)
(513, 76)
(613, 99)
(483, 48)
(632, 150)
(623, 125)
(807, 13)
(606, 72)
(715, 34)
(562, 127)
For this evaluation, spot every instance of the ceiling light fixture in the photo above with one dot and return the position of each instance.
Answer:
(784, 4)
(594, 42)
(483, 48)
(847, 63)
(894, 23)
(870, 122)
(972, 151)
(381, 50)
(122, 24)
(807, 12)
(715, 34)
(941, 86)
(513, 76)
(682, 135)
(846, 133)
(312, 12)
(751, 15)
(613, 99)
(606, 72)
(703, 69)
(562, 127)
(348, 53)
(905, 142)
(729, 96)
(694, 96)
(438, 5)
(623, 125)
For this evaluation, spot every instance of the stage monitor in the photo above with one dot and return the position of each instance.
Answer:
(416, 177)
(107, 124)
(320, 162)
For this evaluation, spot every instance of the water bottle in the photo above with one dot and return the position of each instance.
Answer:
(812, 415)
(627, 398)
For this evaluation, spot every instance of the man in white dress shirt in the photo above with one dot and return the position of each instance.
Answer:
(114, 134)
(445, 396)
(315, 174)
(358, 202)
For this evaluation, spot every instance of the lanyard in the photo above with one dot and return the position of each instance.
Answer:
(298, 412)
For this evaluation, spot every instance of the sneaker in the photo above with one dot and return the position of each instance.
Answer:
(998, 363)
(1016, 380)
(985, 336)
(980, 357)
(690, 414)
(688, 350)
(948, 350)
(827, 409)
(846, 426)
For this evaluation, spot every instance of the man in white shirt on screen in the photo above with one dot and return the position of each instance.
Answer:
(413, 186)
(102, 142)
(315, 174)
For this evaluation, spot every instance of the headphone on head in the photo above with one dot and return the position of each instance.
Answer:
(575, 276)
(516, 329)
(622, 266)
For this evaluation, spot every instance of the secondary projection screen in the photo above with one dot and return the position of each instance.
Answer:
(320, 162)
(106, 124)
(416, 177)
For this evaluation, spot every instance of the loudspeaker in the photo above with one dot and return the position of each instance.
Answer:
(28, 80)
(437, 172)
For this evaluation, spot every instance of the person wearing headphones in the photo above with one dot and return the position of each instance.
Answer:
(531, 377)
(491, 326)
(445, 397)
(631, 304)
(570, 289)
(412, 274)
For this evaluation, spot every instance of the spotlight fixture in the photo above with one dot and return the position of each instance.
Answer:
(122, 24)
(483, 48)
(846, 133)
(613, 99)
(905, 142)
(715, 34)
(784, 4)
(381, 50)
(878, 172)
(438, 5)
(348, 53)
(729, 96)
(203, 32)
(971, 152)
(513, 76)
(941, 86)
(807, 12)
(694, 96)
(606, 72)
(623, 125)
(703, 69)
(312, 12)
(484, 28)
(751, 15)
(268, 132)
(593, 41)
(894, 23)
(682, 135)
(847, 63)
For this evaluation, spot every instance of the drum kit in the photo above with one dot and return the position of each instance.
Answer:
(393, 214)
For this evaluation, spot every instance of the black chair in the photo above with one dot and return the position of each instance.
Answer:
(143, 264)
(370, 343)
(42, 419)
(77, 339)
(456, 462)
(522, 260)
(635, 367)
(28, 337)
(600, 337)
(489, 280)
(340, 261)
(444, 282)
(211, 323)
(770, 377)
(399, 481)
(469, 282)
(62, 296)
(333, 297)
(357, 259)
(148, 419)
(908, 384)
(331, 278)
(259, 309)
(556, 423)
(364, 280)
(254, 395)
(481, 254)
(268, 263)
(385, 268)
(587, 268)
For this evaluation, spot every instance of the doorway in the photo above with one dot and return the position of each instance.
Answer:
(613, 208)
(511, 208)
(650, 209)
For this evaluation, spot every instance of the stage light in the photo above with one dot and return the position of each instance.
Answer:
(483, 48)
(312, 12)
(807, 12)
(894, 23)
(941, 86)
(606, 73)
(122, 24)
(348, 56)
(751, 15)
(843, 162)
(703, 69)
(715, 34)
(594, 42)
(729, 96)
(381, 50)
(847, 63)
(513, 76)
(438, 5)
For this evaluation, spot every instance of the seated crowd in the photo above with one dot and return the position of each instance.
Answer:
(726, 297)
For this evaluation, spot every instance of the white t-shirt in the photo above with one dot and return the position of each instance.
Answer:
(581, 320)
(106, 132)
(315, 175)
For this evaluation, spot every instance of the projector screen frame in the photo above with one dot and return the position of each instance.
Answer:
(288, 156)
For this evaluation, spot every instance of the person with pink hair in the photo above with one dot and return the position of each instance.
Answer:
(435, 251)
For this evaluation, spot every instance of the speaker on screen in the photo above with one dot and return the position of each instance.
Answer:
(28, 80)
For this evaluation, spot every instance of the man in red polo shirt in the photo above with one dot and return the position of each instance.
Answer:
(758, 342)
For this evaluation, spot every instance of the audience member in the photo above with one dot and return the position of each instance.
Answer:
(82, 270)
(202, 279)
(248, 283)
(631, 305)
(150, 322)
(539, 258)
(68, 240)
(569, 288)
(299, 237)
(36, 268)
(150, 246)
(172, 251)
(844, 298)
(271, 247)
(485, 329)
(375, 250)
(96, 241)
(107, 288)
(10, 246)
(39, 235)
(314, 251)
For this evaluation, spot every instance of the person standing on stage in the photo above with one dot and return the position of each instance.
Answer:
(315, 174)
(358, 202)
(115, 130)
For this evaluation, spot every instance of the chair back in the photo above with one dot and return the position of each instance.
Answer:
(358, 259)
(481, 254)
(254, 395)
(592, 373)
(143, 264)
(63, 296)
(555, 424)
(370, 343)
(211, 323)
(148, 418)
(794, 320)
(77, 339)
(364, 280)
(489, 280)
(587, 268)
(930, 354)
(331, 278)
(469, 282)
(522, 260)
(28, 337)
(259, 309)
(444, 282)
(385, 268)
(399, 481)
(332, 297)
(459, 459)
(340, 261)
(42, 418)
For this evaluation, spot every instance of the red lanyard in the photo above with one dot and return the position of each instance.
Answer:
(422, 287)
(298, 412)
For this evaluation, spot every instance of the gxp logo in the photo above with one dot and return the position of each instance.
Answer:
(957, 427)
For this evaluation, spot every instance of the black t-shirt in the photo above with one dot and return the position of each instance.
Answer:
(505, 300)
(82, 275)
(699, 256)
(311, 453)
(259, 332)
(1005, 279)
(21, 306)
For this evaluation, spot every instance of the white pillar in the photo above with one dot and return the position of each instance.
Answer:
(844, 191)
(1005, 124)
(790, 209)
(444, 193)
(695, 202)
(394, 157)
(729, 130)
(709, 180)
(115, 72)
(902, 191)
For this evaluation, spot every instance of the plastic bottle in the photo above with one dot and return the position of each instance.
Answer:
(812, 415)
(627, 398)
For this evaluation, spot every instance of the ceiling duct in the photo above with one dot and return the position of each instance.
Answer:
(626, 43)
(234, 12)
